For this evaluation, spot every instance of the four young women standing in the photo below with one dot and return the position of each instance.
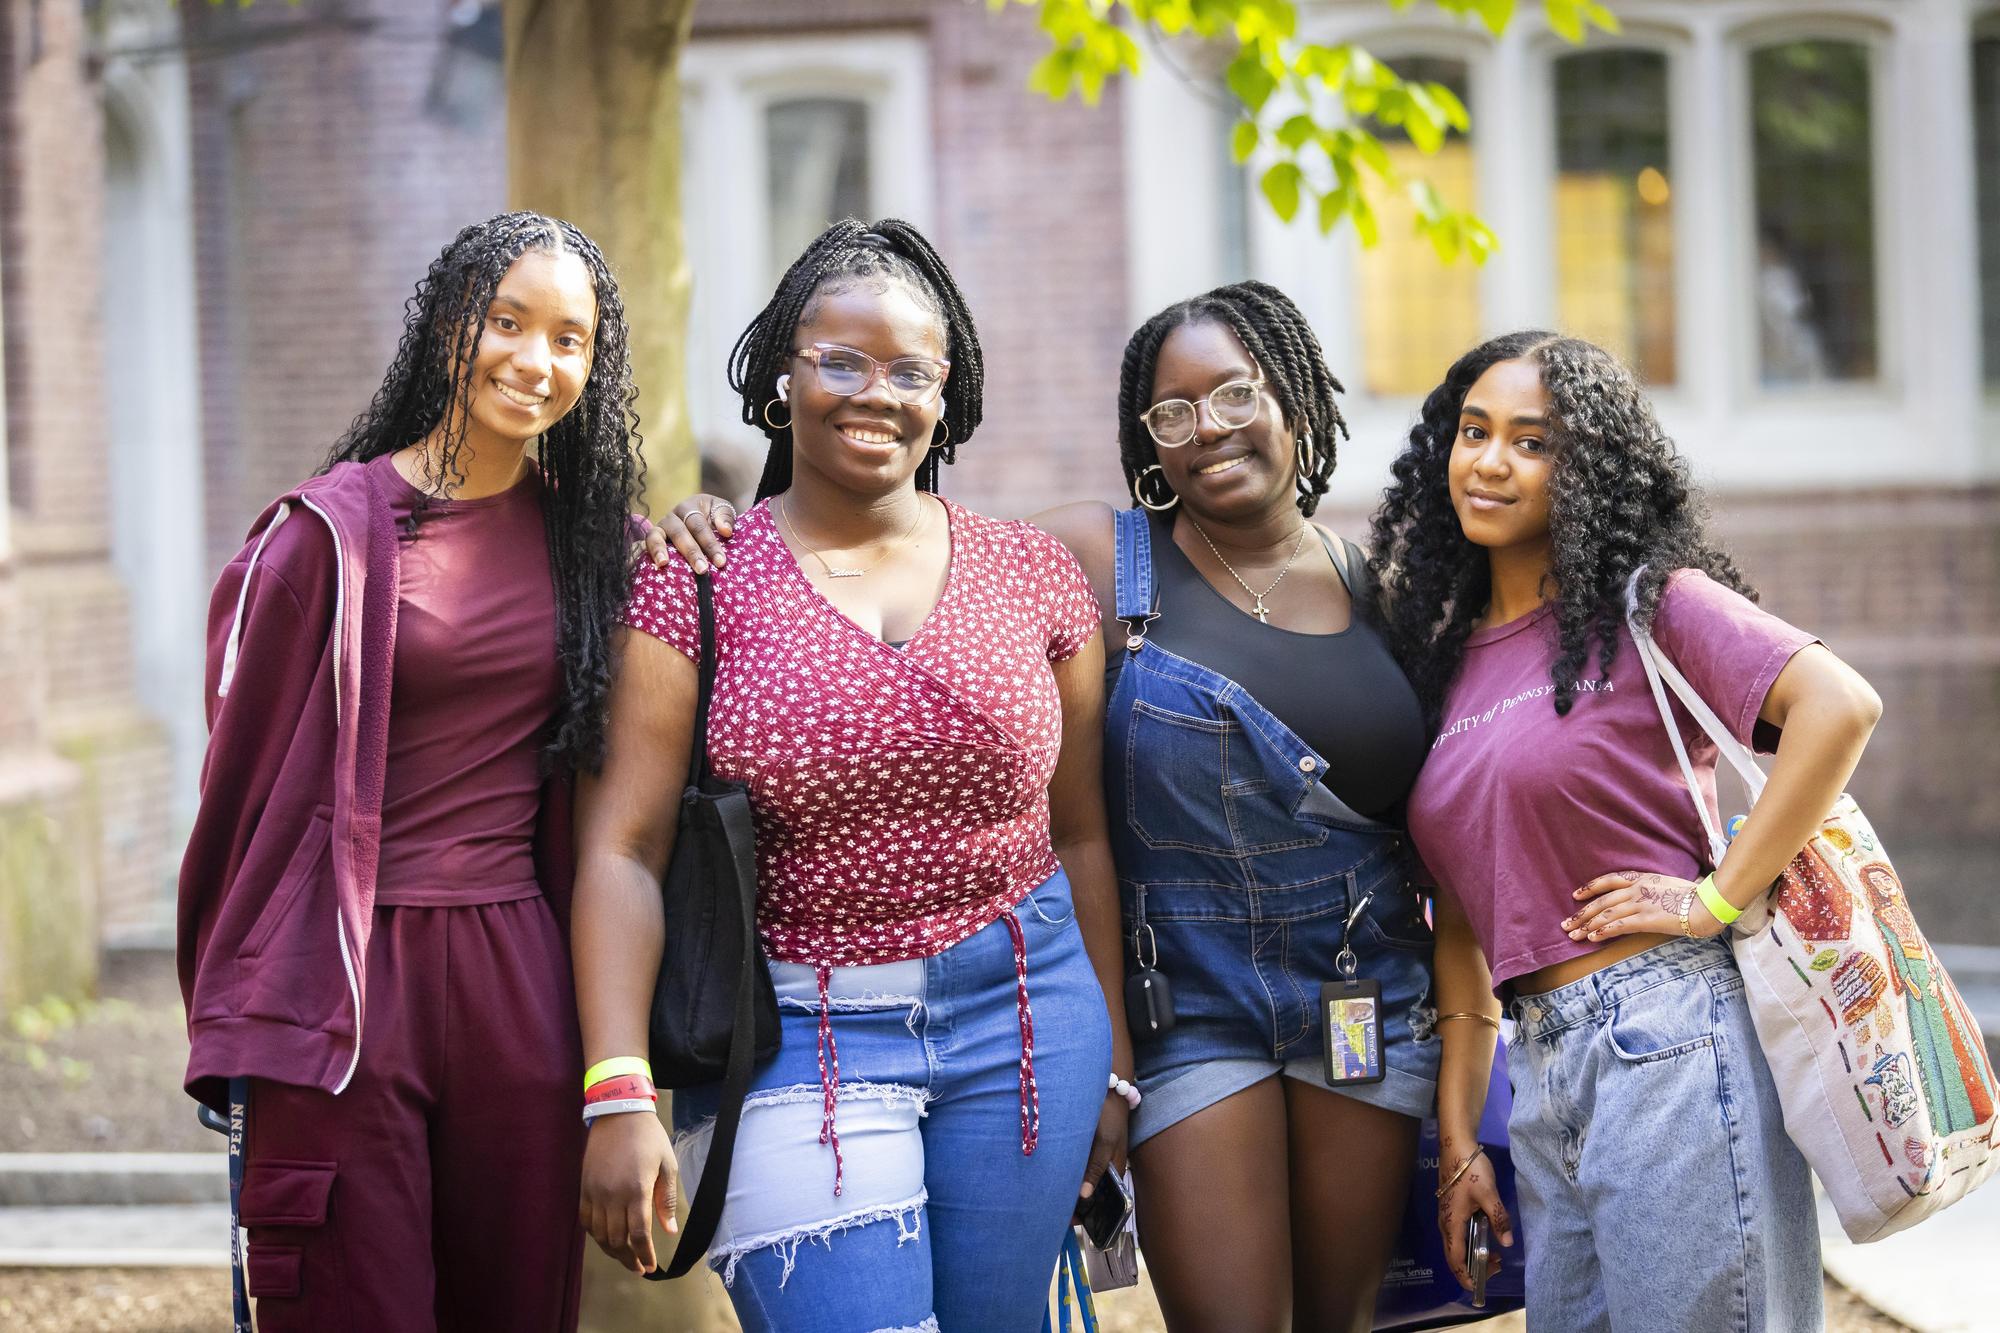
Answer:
(914, 695)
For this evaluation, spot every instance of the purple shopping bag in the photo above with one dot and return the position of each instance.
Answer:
(1419, 1291)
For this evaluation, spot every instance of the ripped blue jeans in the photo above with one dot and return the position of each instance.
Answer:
(919, 1209)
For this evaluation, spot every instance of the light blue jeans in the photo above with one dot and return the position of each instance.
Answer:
(941, 1220)
(1658, 1188)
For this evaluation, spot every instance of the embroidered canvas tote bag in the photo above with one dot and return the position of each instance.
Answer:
(1883, 1075)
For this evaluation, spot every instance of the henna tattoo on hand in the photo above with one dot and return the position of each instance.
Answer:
(1662, 893)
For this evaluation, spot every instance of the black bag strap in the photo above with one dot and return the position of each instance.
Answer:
(706, 1211)
(704, 592)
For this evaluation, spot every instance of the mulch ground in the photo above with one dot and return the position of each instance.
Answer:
(106, 1077)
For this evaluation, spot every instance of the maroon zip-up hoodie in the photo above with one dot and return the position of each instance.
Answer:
(277, 889)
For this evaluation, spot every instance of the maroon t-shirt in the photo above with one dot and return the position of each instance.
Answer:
(1516, 807)
(476, 690)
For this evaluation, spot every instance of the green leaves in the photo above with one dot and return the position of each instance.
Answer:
(1309, 106)
(1281, 184)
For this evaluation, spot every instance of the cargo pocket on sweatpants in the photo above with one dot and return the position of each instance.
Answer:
(284, 1205)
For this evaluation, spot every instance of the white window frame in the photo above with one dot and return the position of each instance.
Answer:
(727, 84)
(1925, 419)
(1690, 190)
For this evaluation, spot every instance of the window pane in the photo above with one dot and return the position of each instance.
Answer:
(817, 150)
(1986, 140)
(1815, 212)
(1417, 314)
(1614, 233)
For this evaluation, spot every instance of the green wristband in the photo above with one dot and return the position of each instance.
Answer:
(1717, 905)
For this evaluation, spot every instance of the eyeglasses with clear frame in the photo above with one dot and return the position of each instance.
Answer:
(844, 372)
(1232, 406)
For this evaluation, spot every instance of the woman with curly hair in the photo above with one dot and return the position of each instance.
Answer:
(406, 661)
(1657, 1186)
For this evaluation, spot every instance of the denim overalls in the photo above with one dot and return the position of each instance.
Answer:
(1242, 876)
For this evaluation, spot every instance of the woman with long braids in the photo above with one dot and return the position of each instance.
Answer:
(1259, 742)
(911, 693)
(1657, 1186)
(406, 661)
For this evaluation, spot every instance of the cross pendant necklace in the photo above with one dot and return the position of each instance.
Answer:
(1257, 607)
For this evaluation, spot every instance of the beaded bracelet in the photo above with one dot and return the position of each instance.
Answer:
(1128, 1091)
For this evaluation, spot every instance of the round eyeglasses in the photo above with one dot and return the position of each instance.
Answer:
(844, 372)
(1231, 406)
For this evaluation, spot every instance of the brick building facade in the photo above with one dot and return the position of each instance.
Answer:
(320, 153)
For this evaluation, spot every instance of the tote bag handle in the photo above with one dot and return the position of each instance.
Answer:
(1662, 676)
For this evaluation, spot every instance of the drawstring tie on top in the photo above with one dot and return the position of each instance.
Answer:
(1031, 1097)
(829, 1074)
(829, 1056)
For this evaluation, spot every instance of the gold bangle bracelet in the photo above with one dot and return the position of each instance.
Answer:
(1488, 1019)
(1459, 1174)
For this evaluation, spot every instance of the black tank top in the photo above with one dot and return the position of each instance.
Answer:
(1342, 693)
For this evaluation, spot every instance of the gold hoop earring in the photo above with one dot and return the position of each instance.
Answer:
(786, 424)
(1139, 491)
(1307, 458)
(944, 426)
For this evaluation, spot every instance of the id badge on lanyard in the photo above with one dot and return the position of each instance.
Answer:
(1351, 1009)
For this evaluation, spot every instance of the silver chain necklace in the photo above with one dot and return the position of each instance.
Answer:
(845, 572)
(1257, 609)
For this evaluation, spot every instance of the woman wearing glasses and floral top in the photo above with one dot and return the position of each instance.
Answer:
(912, 694)
(1259, 744)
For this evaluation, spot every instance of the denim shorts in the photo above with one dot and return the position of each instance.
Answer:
(1246, 965)
(920, 1209)
(1657, 1186)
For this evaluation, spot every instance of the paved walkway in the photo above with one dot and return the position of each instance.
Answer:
(170, 1210)
(1932, 1277)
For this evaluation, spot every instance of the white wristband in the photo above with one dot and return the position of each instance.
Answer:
(619, 1107)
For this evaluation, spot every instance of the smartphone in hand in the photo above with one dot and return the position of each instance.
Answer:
(1103, 1214)
(1478, 1255)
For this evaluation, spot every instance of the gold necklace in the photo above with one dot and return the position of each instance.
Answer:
(1258, 608)
(843, 572)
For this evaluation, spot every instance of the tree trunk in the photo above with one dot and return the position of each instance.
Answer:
(594, 136)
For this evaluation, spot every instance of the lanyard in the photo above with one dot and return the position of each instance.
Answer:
(239, 1108)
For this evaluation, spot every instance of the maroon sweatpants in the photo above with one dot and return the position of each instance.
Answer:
(439, 1191)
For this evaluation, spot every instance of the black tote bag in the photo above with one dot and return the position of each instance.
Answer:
(714, 1013)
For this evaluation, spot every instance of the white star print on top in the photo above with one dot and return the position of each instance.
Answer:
(900, 795)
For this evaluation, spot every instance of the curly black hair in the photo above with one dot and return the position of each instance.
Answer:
(1619, 498)
(589, 460)
(1279, 341)
(846, 253)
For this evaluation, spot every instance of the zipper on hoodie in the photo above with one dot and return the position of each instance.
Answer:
(339, 652)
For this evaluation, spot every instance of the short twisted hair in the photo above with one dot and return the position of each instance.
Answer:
(844, 254)
(1619, 498)
(1286, 351)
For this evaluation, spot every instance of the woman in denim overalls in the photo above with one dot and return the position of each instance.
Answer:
(1249, 879)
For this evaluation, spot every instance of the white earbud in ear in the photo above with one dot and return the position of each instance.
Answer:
(784, 388)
